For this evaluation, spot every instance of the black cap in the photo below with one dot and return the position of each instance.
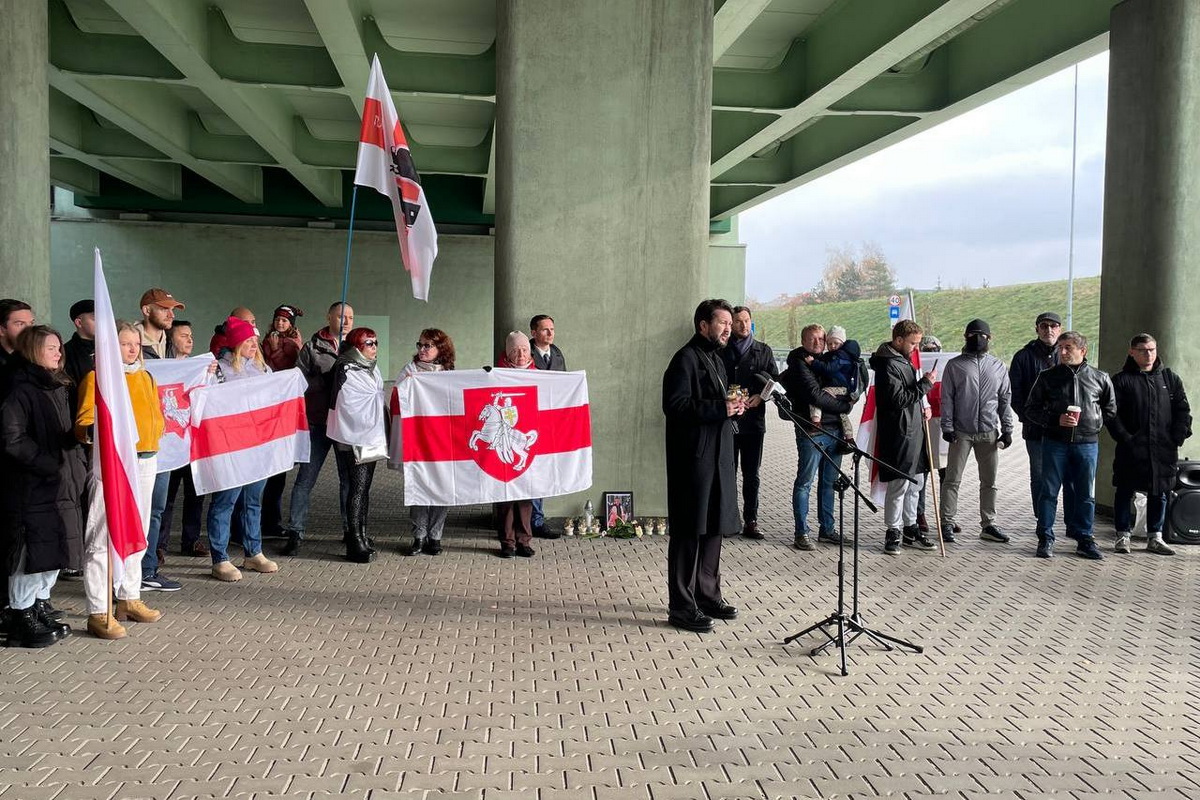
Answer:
(1049, 316)
(81, 308)
(976, 326)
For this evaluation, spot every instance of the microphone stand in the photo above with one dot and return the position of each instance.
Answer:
(848, 627)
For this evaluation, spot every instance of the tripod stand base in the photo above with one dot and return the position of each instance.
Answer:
(848, 629)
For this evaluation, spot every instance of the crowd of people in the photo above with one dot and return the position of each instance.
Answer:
(52, 514)
(1062, 402)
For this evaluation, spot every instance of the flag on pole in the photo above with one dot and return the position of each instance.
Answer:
(115, 435)
(385, 164)
(472, 436)
(176, 378)
(248, 430)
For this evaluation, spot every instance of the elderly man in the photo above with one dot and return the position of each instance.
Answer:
(701, 483)
(1070, 402)
(158, 315)
(804, 391)
(900, 424)
(975, 419)
(745, 359)
(1038, 354)
(1153, 421)
(316, 361)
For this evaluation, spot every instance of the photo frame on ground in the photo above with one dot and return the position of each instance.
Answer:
(616, 507)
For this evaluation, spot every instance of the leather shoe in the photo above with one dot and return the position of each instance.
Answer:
(542, 532)
(690, 621)
(720, 611)
(525, 551)
(750, 530)
(506, 551)
(292, 548)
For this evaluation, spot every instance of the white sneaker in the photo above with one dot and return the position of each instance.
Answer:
(1122, 545)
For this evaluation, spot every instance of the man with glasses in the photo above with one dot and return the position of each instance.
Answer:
(1038, 354)
(1153, 421)
(1070, 402)
(316, 361)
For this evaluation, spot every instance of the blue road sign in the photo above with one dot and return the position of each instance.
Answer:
(894, 312)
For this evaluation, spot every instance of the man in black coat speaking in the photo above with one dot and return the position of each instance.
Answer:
(701, 481)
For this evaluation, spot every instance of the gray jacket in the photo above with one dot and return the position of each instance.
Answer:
(976, 395)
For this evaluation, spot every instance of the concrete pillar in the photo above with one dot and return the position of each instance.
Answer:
(1151, 272)
(602, 166)
(24, 155)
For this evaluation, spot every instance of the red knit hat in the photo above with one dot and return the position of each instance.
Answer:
(236, 332)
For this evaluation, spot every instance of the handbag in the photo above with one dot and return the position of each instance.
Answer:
(368, 453)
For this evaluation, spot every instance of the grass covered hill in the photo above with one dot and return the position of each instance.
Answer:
(1009, 310)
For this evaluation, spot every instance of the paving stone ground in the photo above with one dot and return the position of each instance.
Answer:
(467, 676)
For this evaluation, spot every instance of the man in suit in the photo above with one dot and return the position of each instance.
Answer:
(701, 481)
(546, 355)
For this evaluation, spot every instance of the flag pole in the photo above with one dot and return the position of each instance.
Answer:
(933, 487)
(346, 274)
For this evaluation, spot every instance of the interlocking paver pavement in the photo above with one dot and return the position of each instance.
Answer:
(467, 676)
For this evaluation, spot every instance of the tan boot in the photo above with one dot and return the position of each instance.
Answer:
(260, 563)
(137, 611)
(226, 571)
(102, 626)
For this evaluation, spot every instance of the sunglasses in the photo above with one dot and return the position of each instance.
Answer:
(426, 346)
(371, 343)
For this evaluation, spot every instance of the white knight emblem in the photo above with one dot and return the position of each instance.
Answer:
(499, 431)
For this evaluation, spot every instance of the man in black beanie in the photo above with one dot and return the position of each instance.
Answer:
(976, 418)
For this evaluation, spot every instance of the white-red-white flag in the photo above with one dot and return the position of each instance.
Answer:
(248, 430)
(176, 378)
(115, 435)
(472, 436)
(385, 164)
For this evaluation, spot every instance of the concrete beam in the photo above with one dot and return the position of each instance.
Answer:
(340, 28)
(180, 32)
(857, 42)
(489, 183)
(74, 176)
(161, 122)
(732, 20)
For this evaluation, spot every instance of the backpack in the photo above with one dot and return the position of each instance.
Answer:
(864, 380)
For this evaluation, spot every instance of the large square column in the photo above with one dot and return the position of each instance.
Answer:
(1151, 270)
(25, 154)
(602, 168)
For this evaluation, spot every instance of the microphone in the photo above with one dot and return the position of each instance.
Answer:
(771, 387)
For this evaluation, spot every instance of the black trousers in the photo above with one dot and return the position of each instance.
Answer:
(693, 572)
(193, 511)
(272, 505)
(358, 495)
(747, 455)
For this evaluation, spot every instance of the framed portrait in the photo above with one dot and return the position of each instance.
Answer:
(616, 507)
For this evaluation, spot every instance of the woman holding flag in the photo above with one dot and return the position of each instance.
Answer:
(147, 413)
(241, 358)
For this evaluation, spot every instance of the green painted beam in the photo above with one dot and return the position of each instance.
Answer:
(783, 87)
(76, 126)
(221, 147)
(259, 63)
(432, 72)
(427, 158)
(722, 199)
(74, 176)
(102, 54)
(730, 21)
(731, 128)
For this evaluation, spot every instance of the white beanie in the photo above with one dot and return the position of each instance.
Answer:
(837, 332)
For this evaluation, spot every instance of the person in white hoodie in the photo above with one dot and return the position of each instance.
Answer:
(435, 353)
(356, 425)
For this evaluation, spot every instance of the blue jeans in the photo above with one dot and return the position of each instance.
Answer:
(158, 502)
(1123, 511)
(810, 464)
(1033, 447)
(306, 478)
(537, 519)
(1071, 468)
(220, 519)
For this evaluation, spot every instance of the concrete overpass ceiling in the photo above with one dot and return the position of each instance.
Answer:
(233, 106)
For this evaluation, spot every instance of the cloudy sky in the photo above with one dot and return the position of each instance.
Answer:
(983, 196)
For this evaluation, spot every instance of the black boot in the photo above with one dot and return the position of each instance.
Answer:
(49, 616)
(292, 548)
(357, 549)
(26, 630)
(416, 548)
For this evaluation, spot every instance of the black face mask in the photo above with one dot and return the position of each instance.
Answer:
(977, 344)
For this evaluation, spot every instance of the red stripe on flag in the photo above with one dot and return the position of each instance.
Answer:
(444, 438)
(372, 124)
(120, 499)
(258, 426)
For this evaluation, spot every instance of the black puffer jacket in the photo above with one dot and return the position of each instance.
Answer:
(1030, 360)
(899, 427)
(804, 389)
(1064, 385)
(37, 429)
(1153, 420)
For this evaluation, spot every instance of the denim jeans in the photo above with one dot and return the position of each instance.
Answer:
(1033, 447)
(811, 465)
(1123, 511)
(158, 502)
(306, 478)
(537, 519)
(220, 519)
(1068, 466)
